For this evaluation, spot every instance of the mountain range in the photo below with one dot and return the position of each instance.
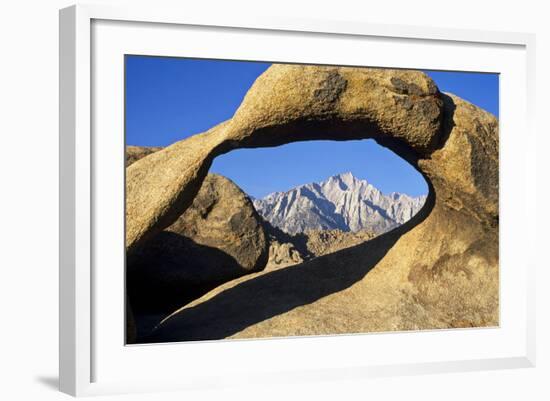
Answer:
(341, 202)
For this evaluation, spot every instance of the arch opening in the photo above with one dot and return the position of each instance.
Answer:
(317, 197)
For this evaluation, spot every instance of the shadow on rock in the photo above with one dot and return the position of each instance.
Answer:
(276, 292)
(170, 271)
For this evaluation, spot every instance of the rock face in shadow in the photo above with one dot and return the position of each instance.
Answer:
(219, 238)
(439, 270)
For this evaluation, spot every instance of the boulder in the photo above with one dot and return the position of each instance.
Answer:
(219, 238)
(438, 270)
(283, 254)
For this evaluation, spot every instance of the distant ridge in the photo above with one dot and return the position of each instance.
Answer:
(341, 202)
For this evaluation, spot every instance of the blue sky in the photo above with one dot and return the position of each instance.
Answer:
(169, 99)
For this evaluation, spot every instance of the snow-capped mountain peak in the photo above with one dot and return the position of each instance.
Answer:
(340, 202)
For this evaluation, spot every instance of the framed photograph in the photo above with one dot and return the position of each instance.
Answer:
(267, 200)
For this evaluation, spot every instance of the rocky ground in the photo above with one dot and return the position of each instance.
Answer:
(287, 250)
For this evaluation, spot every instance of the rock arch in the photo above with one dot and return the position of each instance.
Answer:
(440, 270)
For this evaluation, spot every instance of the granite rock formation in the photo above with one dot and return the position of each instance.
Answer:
(287, 250)
(218, 238)
(438, 270)
(283, 254)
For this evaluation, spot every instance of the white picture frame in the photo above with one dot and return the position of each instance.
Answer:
(84, 353)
